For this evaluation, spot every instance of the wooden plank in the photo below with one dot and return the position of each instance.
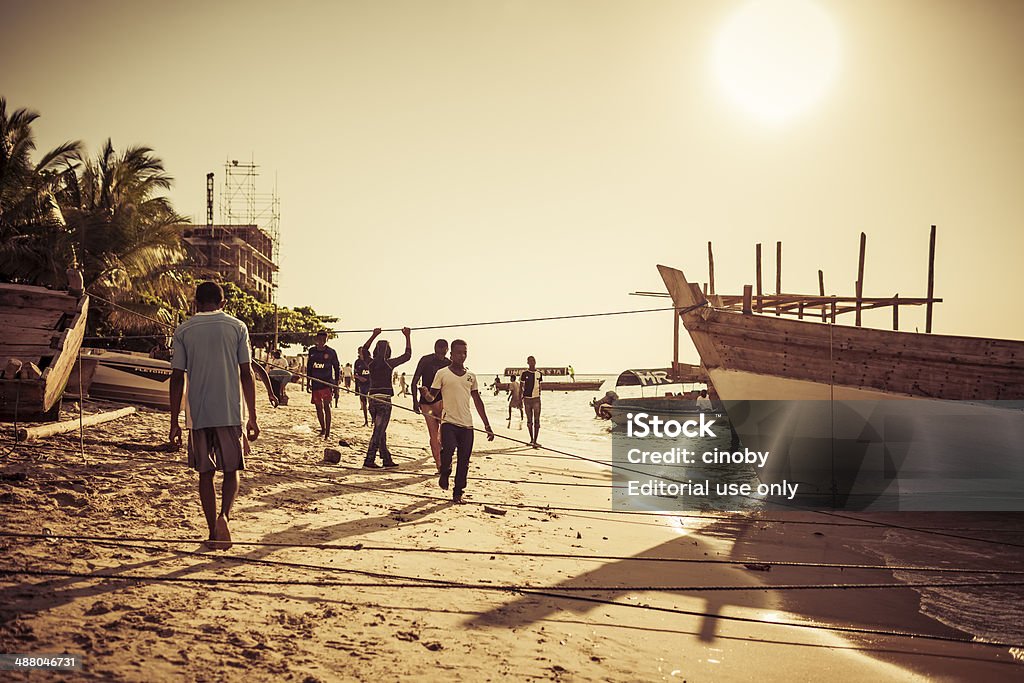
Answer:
(57, 374)
(746, 299)
(27, 337)
(17, 319)
(778, 267)
(821, 290)
(27, 353)
(758, 265)
(859, 285)
(40, 431)
(896, 312)
(36, 299)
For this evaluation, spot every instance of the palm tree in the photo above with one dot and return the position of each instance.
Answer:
(130, 238)
(35, 246)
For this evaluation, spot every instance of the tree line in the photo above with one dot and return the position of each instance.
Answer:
(108, 216)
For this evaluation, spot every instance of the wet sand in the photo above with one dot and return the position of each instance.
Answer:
(300, 629)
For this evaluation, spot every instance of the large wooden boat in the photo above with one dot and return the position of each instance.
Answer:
(867, 418)
(41, 331)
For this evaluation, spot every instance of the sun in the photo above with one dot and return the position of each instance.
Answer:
(775, 59)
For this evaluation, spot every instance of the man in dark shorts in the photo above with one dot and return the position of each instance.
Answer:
(382, 367)
(324, 371)
(430, 409)
(361, 374)
(530, 381)
(458, 388)
(212, 347)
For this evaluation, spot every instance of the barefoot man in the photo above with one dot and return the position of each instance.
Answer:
(430, 408)
(212, 347)
(457, 387)
(323, 370)
(530, 381)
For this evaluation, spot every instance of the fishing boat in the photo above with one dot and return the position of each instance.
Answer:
(865, 418)
(130, 377)
(569, 383)
(41, 332)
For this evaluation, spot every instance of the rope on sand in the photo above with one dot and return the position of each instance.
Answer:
(546, 592)
(566, 511)
(126, 541)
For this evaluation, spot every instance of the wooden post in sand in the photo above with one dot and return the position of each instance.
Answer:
(33, 433)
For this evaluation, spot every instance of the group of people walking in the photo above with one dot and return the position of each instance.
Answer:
(212, 350)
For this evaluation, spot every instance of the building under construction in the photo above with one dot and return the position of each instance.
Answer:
(244, 247)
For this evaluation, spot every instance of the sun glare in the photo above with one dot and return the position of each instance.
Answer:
(776, 58)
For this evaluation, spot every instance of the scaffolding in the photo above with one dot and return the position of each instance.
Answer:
(244, 247)
(241, 205)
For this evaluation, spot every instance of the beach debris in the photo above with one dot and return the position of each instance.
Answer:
(332, 456)
(30, 371)
(494, 511)
(39, 431)
(758, 566)
(407, 636)
(579, 535)
(342, 442)
(432, 645)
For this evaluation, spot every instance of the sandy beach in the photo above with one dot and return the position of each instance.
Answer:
(607, 602)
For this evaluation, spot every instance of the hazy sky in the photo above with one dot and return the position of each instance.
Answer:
(443, 162)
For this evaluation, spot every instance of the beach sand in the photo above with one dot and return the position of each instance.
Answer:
(130, 486)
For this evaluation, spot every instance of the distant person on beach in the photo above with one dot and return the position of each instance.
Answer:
(394, 379)
(403, 388)
(212, 348)
(382, 365)
(572, 374)
(323, 370)
(457, 387)
(280, 375)
(431, 408)
(531, 380)
(497, 381)
(346, 373)
(361, 374)
(515, 399)
(703, 401)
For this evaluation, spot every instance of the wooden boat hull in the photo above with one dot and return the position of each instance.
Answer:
(43, 327)
(864, 418)
(131, 378)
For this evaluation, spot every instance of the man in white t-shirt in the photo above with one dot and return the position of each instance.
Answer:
(458, 389)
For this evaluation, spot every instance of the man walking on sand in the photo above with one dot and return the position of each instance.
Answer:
(212, 348)
(323, 370)
(530, 381)
(431, 408)
(456, 385)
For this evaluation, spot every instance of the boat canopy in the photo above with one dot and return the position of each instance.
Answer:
(547, 372)
(644, 378)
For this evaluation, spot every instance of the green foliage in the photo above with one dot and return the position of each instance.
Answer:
(107, 215)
